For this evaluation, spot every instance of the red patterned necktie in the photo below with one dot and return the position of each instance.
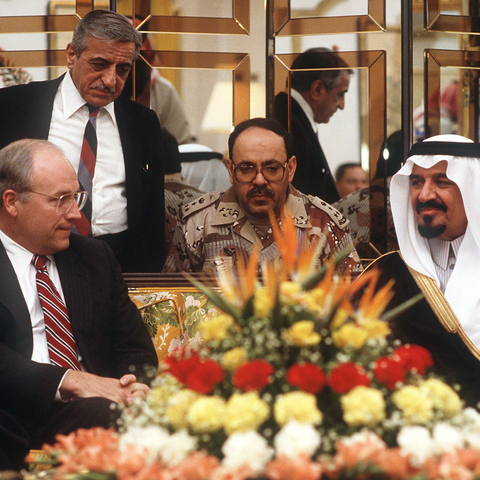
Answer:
(61, 344)
(86, 170)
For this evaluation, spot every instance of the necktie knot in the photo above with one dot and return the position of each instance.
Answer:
(93, 111)
(39, 262)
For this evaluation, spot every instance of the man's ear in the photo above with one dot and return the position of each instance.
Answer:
(70, 55)
(230, 168)
(292, 166)
(317, 90)
(10, 200)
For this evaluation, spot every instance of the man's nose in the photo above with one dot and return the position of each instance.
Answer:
(341, 104)
(259, 178)
(109, 77)
(427, 192)
(74, 213)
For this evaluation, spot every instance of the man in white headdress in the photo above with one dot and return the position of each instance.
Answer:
(435, 200)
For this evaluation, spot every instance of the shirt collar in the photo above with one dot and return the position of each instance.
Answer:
(440, 250)
(73, 101)
(307, 109)
(20, 257)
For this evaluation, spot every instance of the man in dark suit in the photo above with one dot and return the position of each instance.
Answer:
(41, 395)
(315, 97)
(127, 188)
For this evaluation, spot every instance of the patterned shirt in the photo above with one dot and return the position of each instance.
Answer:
(215, 231)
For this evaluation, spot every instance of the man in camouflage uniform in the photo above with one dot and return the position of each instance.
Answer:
(217, 228)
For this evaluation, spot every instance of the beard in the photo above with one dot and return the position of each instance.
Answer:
(427, 230)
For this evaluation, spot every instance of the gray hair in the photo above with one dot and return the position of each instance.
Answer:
(318, 58)
(104, 25)
(16, 165)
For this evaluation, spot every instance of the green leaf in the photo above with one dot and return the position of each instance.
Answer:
(222, 303)
(394, 312)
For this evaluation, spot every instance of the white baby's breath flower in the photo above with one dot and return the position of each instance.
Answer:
(297, 438)
(152, 439)
(417, 442)
(180, 445)
(246, 448)
(469, 422)
(447, 437)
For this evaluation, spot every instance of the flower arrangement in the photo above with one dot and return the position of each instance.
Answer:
(291, 381)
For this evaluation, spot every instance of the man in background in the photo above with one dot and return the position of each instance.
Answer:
(219, 228)
(113, 143)
(72, 343)
(315, 96)
(350, 177)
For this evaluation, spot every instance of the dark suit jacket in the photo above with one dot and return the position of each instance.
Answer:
(420, 325)
(313, 175)
(25, 112)
(107, 326)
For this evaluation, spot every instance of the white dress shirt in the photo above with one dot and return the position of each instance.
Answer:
(444, 256)
(307, 109)
(21, 260)
(67, 126)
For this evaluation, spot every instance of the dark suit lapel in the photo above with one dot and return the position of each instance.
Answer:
(42, 107)
(77, 287)
(11, 297)
(133, 155)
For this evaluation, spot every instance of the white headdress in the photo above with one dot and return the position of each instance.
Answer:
(462, 291)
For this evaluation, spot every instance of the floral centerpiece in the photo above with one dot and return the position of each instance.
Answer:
(291, 381)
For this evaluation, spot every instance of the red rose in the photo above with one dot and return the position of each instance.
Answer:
(180, 365)
(389, 371)
(204, 376)
(307, 377)
(253, 375)
(346, 376)
(414, 357)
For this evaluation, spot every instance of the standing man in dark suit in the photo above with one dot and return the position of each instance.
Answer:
(315, 97)
(127, 196)
(45, 391)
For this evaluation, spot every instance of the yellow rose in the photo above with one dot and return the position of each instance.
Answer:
(314, 300)
(158, 396)
(377, 328)
(289, 292)
(350, 335)
(416, 406)
(215, 328)
(262, 303)
(244, 411)
(444, 398)
(363, 406)
(299, 406)
(177, 407)
(340, 317)
(302, 334)
(206, 413)
(234, 358)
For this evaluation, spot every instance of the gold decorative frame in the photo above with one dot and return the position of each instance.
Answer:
(284, 24)
(468, 62)
(435, 20)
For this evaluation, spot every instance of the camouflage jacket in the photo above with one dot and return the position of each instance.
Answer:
(214, 232)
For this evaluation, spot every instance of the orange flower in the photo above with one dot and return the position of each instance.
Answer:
(300, 467)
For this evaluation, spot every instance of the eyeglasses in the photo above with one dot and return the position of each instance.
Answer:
(65, 201)
(246, 172)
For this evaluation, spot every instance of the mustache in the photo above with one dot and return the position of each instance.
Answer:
(430, 204)
(260, 190)
(101, 86)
